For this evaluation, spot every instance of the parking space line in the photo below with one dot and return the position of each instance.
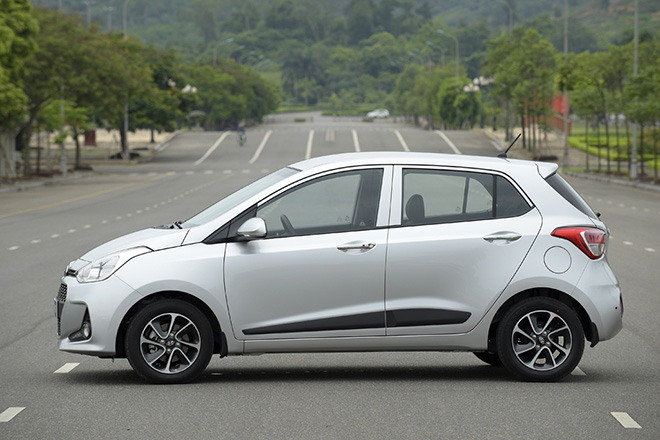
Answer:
(403, 143)
(10, 413)
(355, 141)
(308, 153)
(625, 420)
(450, 143)
(212, 149)
(261, 147)
(66, 368)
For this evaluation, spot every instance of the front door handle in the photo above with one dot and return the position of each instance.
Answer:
(356, 245)
(503, 237)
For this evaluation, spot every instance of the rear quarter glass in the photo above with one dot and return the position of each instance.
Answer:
(567, 192)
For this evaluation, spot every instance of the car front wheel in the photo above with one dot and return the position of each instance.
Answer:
(540, 340)
(169, 341)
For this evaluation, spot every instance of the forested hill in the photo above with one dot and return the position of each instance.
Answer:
(354, 51)
(192, 25)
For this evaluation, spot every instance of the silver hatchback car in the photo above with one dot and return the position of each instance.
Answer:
(357, 252)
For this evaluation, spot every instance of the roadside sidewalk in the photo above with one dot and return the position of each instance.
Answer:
(107, 145)
(553, 149)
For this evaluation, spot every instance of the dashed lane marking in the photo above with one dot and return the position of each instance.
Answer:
(66, 368)
(356, 142)
(261, 147)
(649, 249)
(10, 413)
(625, 420)
(403, 143)
(77, 199)
(308, 152)
(450, 143)
(578, 372)
(212, 149)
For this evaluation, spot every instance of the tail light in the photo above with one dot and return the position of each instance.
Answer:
(591, 241)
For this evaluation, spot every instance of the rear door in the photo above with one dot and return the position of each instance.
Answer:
(457, 238)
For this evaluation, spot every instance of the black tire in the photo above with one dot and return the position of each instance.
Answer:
(169, 341)
(540, 340)
(489, 357)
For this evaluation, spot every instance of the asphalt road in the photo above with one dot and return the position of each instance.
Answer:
(47, 394)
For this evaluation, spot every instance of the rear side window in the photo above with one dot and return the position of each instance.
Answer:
(443, 196)
(567, 192)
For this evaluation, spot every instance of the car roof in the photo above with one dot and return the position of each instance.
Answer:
(333, 161)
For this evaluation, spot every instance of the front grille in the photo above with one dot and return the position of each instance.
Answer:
(59, 303)
(61, 295)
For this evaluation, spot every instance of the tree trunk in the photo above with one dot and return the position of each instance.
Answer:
(598, 140)
(74, 130)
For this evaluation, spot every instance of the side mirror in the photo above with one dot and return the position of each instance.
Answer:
(253, 228)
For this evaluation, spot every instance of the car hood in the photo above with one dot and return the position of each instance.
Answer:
(153, 238)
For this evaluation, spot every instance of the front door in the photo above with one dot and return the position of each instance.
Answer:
(319, 272)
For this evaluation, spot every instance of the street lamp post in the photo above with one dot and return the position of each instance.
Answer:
(89, 5)
(215, 48)
(510, 12)
(440, 31)
(125, 146)
(565, 93)
(442, 51)
(108, 10)
(633, 156)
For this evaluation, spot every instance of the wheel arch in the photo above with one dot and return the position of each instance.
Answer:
(219, 344)
(590, 331)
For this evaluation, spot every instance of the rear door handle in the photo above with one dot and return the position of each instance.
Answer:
(503, 237)
(356, 245)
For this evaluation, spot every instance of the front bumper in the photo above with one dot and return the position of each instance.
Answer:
(102, 304)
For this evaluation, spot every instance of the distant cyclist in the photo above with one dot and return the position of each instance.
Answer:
(242, 137)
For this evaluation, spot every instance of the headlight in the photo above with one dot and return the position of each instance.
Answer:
(102, 268)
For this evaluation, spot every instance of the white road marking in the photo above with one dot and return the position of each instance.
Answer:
(87, 226)
(212, 149)
(308, 152)
(54, 235)
(261, 146)
(245, 171)
(227, 172)
(450, 143)
(403, 143)
(10, 413)
(578, 372)
(355, 141)
(497, 146)
(627, 243)
(104, 222)
(13, 248)
(208, 172)
(625, 420)
(71, 231)
(35, 241)
(66, 368)
(649, 249)
(265, 171)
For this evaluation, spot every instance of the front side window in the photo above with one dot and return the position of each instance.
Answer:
(341, 202)
(442, 196)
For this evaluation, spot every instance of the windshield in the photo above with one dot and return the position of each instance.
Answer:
(234, 199)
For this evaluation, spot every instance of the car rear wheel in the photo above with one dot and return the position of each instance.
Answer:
(540, 339)
(169, 341)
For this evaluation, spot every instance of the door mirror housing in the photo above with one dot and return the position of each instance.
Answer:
(252, 229)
